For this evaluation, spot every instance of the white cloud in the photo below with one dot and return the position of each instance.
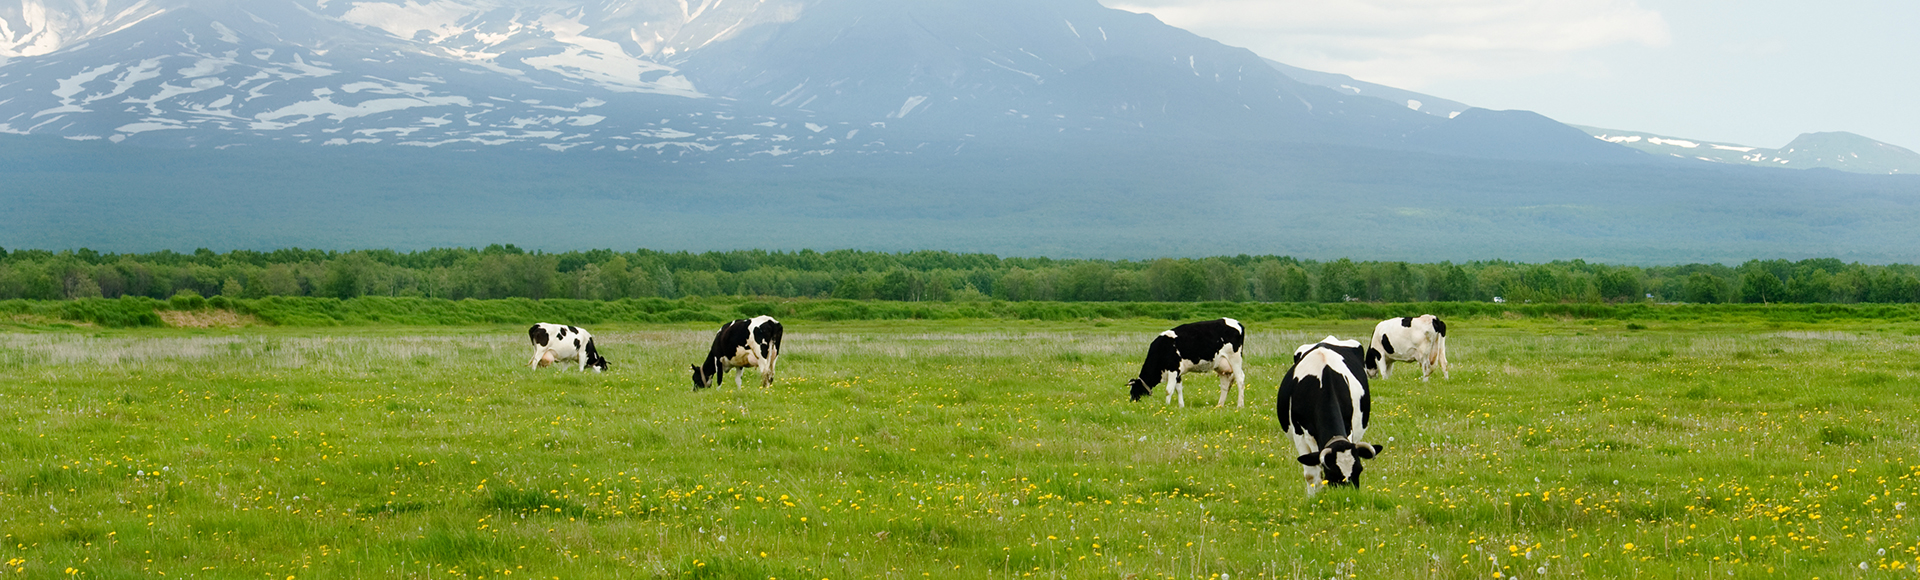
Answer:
(1410, 43)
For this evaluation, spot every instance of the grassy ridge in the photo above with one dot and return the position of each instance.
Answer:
(322, 312)
(950, 449)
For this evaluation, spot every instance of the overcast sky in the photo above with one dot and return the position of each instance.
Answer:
(1753, 72)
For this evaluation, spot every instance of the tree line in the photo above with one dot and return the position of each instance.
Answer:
(505, 271)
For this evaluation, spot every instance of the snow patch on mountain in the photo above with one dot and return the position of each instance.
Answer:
(907, 107)
(437, 19)
(305, 111)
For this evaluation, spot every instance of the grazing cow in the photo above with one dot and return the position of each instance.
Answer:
(741, 344)
(1421, 339)
(1198, 347)
(553, 343)
(1324, 407)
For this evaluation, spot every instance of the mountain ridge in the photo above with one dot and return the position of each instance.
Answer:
(1838, 150)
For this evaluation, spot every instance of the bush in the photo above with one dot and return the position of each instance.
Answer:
(187, 300)
(125, 312)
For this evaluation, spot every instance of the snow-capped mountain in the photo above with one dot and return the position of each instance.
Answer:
(467, 74)
(1835, 150)
(774, 77)
(739, 79)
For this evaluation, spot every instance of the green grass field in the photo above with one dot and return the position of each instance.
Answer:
(950, 449)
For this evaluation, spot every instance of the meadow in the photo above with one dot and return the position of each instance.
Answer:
(1560, 448)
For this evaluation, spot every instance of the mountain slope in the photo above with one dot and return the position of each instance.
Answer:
(1520, 135)
(1344, 84)
(1064, 65)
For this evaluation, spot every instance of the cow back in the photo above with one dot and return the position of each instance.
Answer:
(1317, 397)
(1202, 340)
(766, 331)
(732, 335)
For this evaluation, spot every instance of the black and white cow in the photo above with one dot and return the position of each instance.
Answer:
(553, 343)
(1421, 339)
(1325, 408)
(741, 344)
(1198, 347)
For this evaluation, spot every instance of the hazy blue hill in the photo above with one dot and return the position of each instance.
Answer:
(1065, 198)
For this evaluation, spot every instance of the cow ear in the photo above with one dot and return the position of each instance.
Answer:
(1310, 459)
(1368, 450)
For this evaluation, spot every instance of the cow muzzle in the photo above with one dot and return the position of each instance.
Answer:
(1138, 389)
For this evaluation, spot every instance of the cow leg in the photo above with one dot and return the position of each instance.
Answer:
(764, 362)
(1226, 384)
(1386, 368)
(535, 363)
(1240, 381)
(1442, 357)
(1304, 445)
(772, 363)
(1174, 388)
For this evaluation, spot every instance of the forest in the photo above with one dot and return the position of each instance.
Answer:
(506, 271)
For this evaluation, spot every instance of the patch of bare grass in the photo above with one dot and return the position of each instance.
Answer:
(208, 319)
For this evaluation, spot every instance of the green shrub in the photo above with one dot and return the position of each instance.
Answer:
(186, 300)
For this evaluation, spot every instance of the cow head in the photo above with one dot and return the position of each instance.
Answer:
(1373, 362)
(1339, 461)
(1139, 388)
(599, 365)
(708, 373)
(699, 378)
